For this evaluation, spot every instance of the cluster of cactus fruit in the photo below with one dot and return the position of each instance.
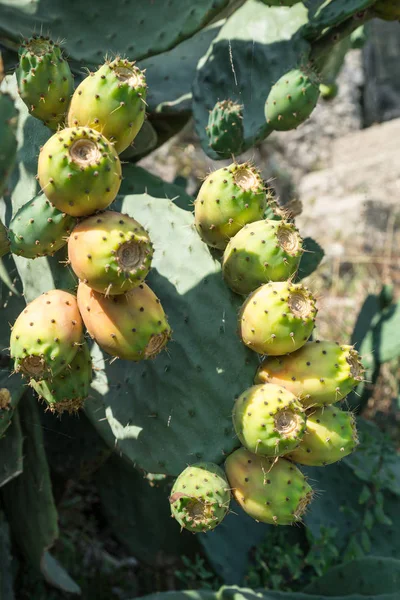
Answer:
(79, 171)
(289, 415)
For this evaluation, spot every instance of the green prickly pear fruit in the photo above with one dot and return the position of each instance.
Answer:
(330, 435)
(291, 100)
(329, 91)
(46, 335)
(4, 241)
(79, 171)
(132, 326)
(387, 9)
(269, 490)
(318, 373)
(45, 81)
(113, 101)
(68, 390)
(228, 199)
(8, 139)
(110, 252)
(262, 251)
(277, 318)
(225, 128)
(269, 420)
(200, 497)
(39, 229)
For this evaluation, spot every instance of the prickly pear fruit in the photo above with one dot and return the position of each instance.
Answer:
(4, 241)
(318, 373)
(8, 139)
(269, 490)
(39, 228)
(46, 335)
(45, 82)
(277, 318)
(67, 391)
(110, 252)
(200, 497)
(269, 420)
(291, 100)
(260, 252)
(79, 171)
(330, 435)
(113, 101)
(132, 326)
(387, 9)
(228, 199)
(225, 128)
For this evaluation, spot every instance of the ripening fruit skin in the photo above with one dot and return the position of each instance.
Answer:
(269, 420)
(45, 81)
(79, 171)
(39, 228)
(110, 252)
(330, 435)
(228, 199)
(46, 335)
(112, 101)
(291, 100)
(260, 252)
(68, 390)
(132, 326)
(277, 318)
(269, 490)
(319, 373)
(225, 128)
(200, 497)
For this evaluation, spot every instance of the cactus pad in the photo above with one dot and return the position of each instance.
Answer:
(269, 420)
(112, 101)
(319, 372)
(79, 171)
(39, 228)
(330, 435)
(269, 490)
(45, 82)
(200, 497)
(228, 199)
(277, 318)
(8, 140)
(46, 335)
(110, 252)
(225, 128)
(262, 251)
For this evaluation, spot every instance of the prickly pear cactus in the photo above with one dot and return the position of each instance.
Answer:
(8, 140)
(260, 252)
(319, 373)
(45, 81)
(225, 128)
(39, 229)
(269, 420)
(269, 490)
(112, 101)
(200, 497)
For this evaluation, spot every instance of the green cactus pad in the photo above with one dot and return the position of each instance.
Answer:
(225, 128)
(110, 252)
(330, 435)
(79, 171)
(269, 420)
(46, 335)
(277, 318)
(45, 82)
(318, 373)
(8, 139)
(291, 100)
(262, 251)
(39, 229)
(228, 199)
(112, 101)
(269, 490)
(132, 326)
(200, 497)
(67, 391)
